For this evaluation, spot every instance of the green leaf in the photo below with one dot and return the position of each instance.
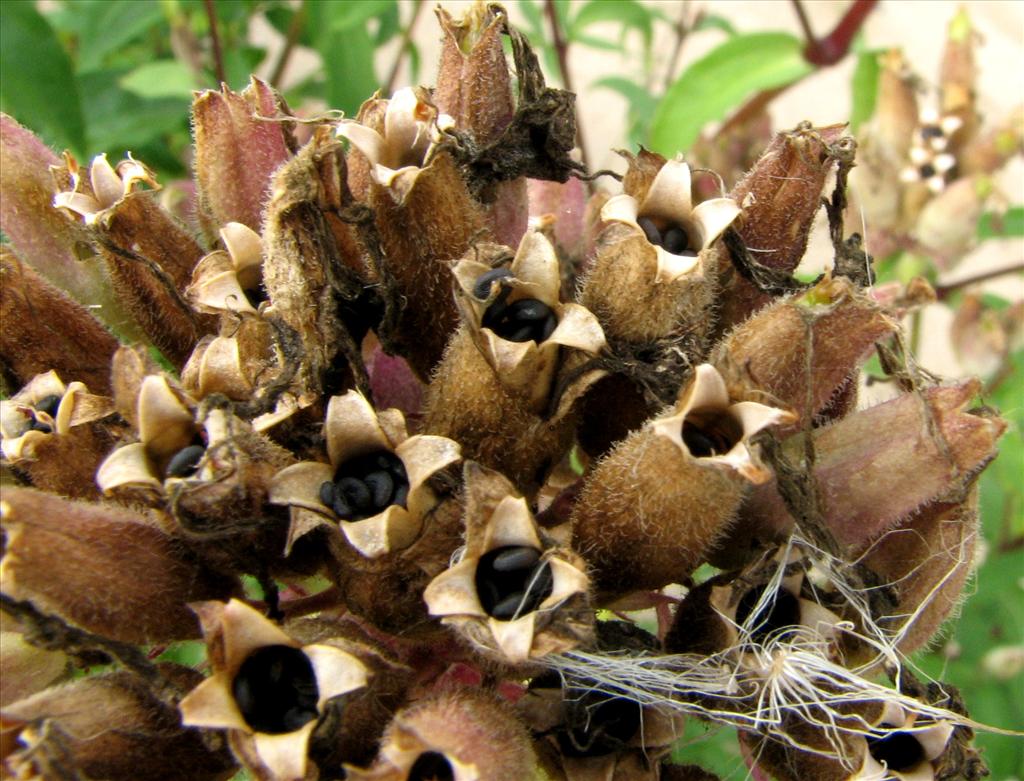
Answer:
(346, 16)
(994, 225)
(628, 13)
(865, 88)
(347, 55)
(160, 79)
(38, 86)
(639, 97)
(598, 43)
(715, 22)
(721, 81)
(240, 62)
(105, 26)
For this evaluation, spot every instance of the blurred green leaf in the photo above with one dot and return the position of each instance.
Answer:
(390, 25)
(38, 87)
(628, 13)
(240, 62)
(995, 225)
(347, 53)
(714, 22)
(190, 653)
(104, 26)
(346, 16)
(598, 43)
(721, 81)
(160, 79)
(641, 104)
(865, 88)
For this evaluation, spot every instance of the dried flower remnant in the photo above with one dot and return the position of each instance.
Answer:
(266, 687)
(230, 280)
(376, 485)
(512, 594)
(46, 430)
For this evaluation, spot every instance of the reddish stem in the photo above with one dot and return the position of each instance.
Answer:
(834, 46)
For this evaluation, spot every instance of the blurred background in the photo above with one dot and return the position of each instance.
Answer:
(708, 79)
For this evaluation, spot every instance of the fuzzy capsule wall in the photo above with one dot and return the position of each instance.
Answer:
(407, 424)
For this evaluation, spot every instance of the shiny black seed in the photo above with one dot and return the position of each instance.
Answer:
(366, 485)
(327, 493)
(38, 425)
(931, 131)
(598, 725)
(342, 508)
(927, 171)
(506, 590)
(782, 612)
(355, 492)
(256, 296)
(276, 690)
(515, 557)
(675, 240)
(898, 750)
(382, 487)
(521, 321)
(185, 462)
(650, 230)
(401, 494)
(431, 766)
(48, 404)
(711, 434)
(505, 609)
(484, 282)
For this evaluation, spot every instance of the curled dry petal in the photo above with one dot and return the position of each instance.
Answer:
(121, 574)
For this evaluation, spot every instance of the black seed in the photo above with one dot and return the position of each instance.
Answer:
(782, 612)
(355, 492)
(368, 484)
(327, 493)
(48, 404)
(342, 508)
(898, 750)
(401, 494)
(484, 283)
(185, 462)
(711, 435)
(382, 488)
(431, 766)
(505, 609)
(38, 425)
(927, 171)
(506, 591)
(700, 444)
(650, 230)
(515, 557)
(675, 240)
(598, 725)
(931, 131)
(276, 690)
(521, 321)
(256, 296)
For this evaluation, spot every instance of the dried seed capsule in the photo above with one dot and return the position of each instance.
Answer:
(275, 689)
(185, 462)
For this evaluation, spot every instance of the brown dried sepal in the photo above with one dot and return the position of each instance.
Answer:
(121, 574)
(112, 727)
(43, 329)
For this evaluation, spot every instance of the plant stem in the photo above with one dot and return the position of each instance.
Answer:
(291, 40)
(682, 29)
(834, 46)
(389, 85)
(562, 50)
(218, 56)
(943, 292)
